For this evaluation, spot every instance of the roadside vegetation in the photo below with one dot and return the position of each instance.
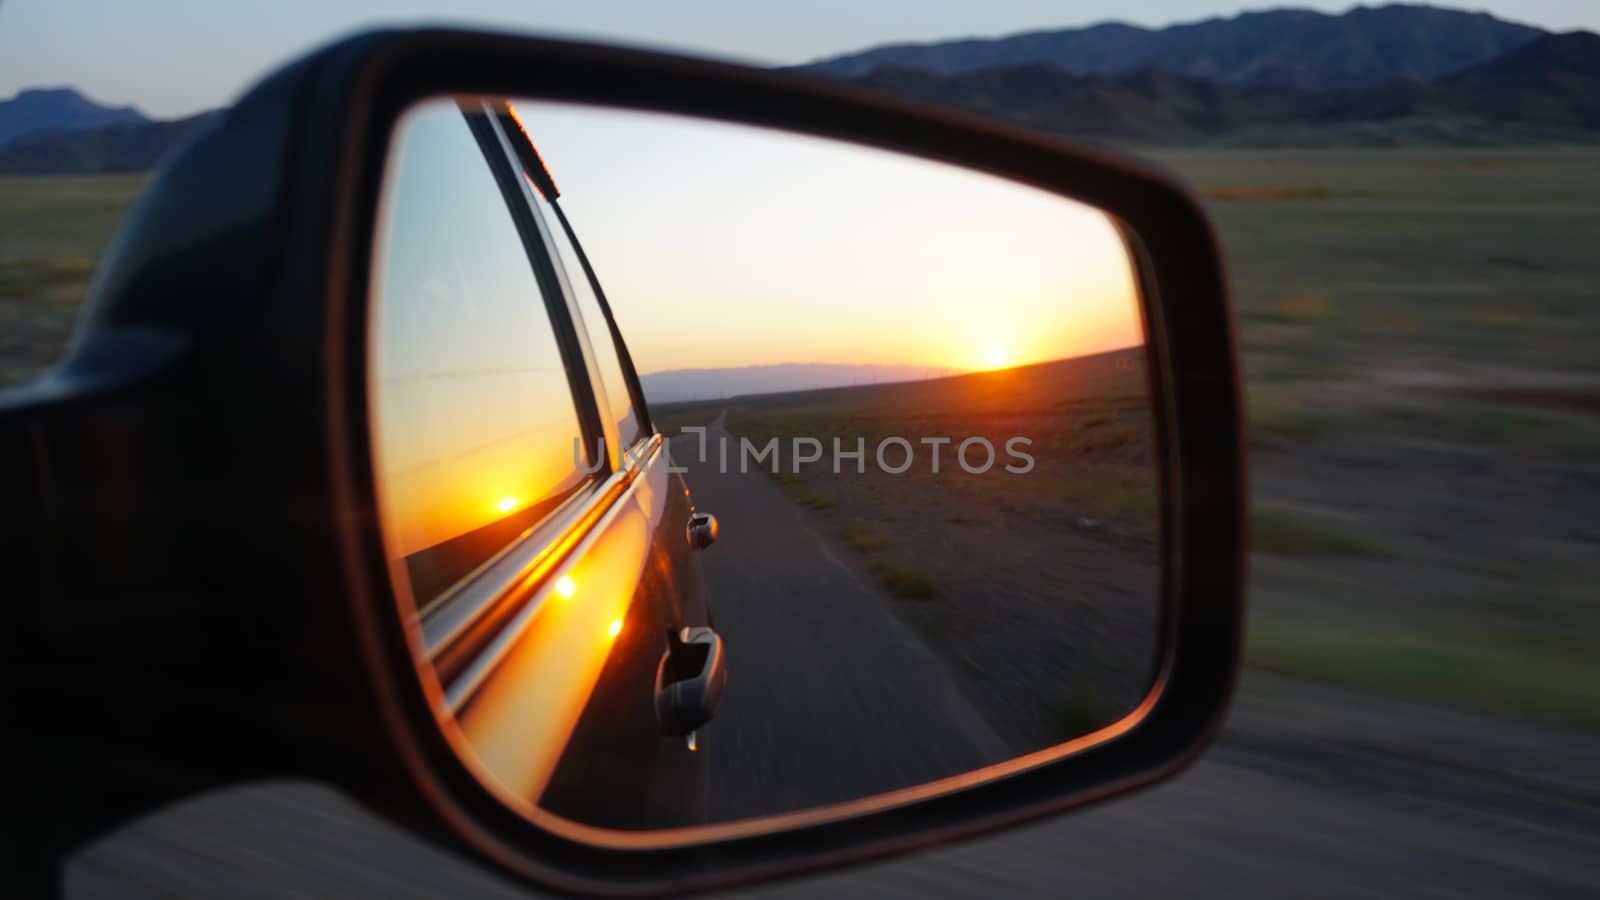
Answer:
(1503, 675)
(52, 232)
(1419, 332)
(1281, 532)
(671, 418)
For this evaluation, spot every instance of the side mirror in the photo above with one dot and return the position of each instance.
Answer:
(358, 469)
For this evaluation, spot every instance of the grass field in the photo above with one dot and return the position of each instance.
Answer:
(1036, 586)
(52, 231)
(1421, 338)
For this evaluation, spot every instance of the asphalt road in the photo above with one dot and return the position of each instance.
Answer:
(829, 698)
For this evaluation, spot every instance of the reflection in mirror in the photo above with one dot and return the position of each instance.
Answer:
(725, 472)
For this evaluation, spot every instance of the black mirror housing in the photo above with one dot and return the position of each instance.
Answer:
(203, 566)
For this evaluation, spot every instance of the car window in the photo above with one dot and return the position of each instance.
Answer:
(600, 339)
(475, 423)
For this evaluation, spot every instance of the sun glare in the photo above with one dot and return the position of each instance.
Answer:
(995, 358)
(507, 504)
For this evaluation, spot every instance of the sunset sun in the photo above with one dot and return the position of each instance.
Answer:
(995, 358)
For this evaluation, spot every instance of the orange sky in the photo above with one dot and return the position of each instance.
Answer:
(718, 246)
(722, 245)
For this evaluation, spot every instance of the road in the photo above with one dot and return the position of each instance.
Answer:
(1311, 792)
(829, 697)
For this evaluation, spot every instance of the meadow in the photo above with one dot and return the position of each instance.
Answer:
(1421, 340)
(52, 232)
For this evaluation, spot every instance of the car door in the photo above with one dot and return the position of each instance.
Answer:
(645, 781)
(533, 516)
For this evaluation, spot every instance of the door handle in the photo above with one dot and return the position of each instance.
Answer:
(689, 680)
(702, 530)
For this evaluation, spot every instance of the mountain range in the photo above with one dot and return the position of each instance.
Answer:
(123, 147)
(676, 385)
(1547, 90)
(44, 109)
(1377, 76)
(1294, 48)
(55, 131)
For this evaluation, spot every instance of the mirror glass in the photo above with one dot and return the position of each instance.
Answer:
(726, 472)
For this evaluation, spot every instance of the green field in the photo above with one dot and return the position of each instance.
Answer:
(52, 230)
(1421, 337)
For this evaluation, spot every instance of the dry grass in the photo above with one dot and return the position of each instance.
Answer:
(1282, 532)
(862, 539)
(1486, 672)
(1267, 193)
(903, 581)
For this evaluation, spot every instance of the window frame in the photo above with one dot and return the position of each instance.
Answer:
(581, 376)
(476, 121)
(467, 629)
(594, 332)
(525, 154)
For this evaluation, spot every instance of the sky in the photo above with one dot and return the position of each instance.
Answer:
(719, 246)
(174, 57)
(725, 245)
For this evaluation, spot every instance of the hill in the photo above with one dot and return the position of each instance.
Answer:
(1113, 376)
(1294, 48)
(677, 385)
(1380, 76)
(42, 109)
(121, 147)
(1547, 90)
(1554, 79)
(1145, 107)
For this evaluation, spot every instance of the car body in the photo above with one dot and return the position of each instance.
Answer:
(527, 499)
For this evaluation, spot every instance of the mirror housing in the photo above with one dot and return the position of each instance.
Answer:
(205, 571)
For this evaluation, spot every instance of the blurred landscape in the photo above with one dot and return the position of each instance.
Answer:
(1419, 333)
(1417, 715)
(52, 232)
(1418, 329)
(1409, 200)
